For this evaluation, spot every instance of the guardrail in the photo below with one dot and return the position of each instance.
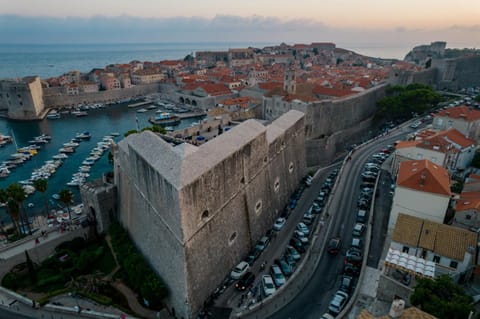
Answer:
(353, 298)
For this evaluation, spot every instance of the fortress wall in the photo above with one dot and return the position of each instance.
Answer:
(466, 74)
(53, 99)
(333, 124)
(147, 206)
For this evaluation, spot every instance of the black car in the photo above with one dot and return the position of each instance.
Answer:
(334, 246)
(297, 244)
(353, 257)
(245, 282)
(351, 270)
(252, 256)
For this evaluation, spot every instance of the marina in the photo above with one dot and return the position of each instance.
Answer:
(80, 138)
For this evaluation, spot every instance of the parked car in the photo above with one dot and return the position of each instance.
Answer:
(308, 219)
(316, 208)
(303, 228)
(277, 275)
(358, 229)
(297, 244)
(351, 270)
(245, 282)
(239, 270)
(327, 316)
(287, 269)
(279, 223)
(346, 284)
(290, 250)
(361, 216)
(301, 236)
(253, 256)
(353, 256)
(338, 302)
(334, 246)
(268, 285)
(262, 243)
(357, 243)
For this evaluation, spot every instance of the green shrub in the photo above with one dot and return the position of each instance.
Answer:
(139, 274)
(101, 299)
(10, 281)
(52, 280)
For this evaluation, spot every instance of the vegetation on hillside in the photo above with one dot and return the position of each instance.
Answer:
(138, 274)
(154, 128)
(402, 102)
(442, 298)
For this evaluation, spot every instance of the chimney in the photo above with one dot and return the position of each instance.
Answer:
(397, 308)
(423, 177)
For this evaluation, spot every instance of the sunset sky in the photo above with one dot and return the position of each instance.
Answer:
(259, 20)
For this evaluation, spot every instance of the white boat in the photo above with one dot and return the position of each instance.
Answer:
(60, 156)
(142, 110)
(85, 169)
(88, 162)
(53, 115)
(70, 144)
(66, 150)
(84, 135)
(115, 134)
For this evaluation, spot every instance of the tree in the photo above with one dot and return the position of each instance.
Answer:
(442, 298)
(14, 196)
(18, 195)
(66, 197)
(477, 98)
(41, 186)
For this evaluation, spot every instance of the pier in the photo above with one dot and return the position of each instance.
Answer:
(139, 104)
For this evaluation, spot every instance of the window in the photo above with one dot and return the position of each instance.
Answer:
(265, 159)
(242, 180)
(436, 259)
(419, 156)
(405, 249)
(450, 123)
(276, 185)
(205, 214)
(468, 217)
(258, 206)
(453, 264)
(232, 238)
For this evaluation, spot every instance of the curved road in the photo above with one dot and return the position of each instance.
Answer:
(314, 298)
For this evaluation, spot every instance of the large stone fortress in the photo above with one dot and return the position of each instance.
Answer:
(195, 212)
(22, 98)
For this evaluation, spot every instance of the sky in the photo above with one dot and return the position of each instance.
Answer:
(391, 21)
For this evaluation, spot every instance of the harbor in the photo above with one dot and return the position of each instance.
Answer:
(67, 151)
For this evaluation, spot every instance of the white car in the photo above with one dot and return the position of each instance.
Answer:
(239, 270)
(277, 275)
(279, 223)
(268, 285)
(303, 228)
(338, 302)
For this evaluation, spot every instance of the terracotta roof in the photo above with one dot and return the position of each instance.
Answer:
(468, 201)
(270, 85)
(242, 101)
(406, 144)
(461, 111)
(444, 240)
(425, 176)
(409, 313)
(457, 137)
(334, 92)
(215, 89)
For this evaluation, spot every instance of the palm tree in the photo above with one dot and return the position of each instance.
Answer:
(41, 186)
(4, 198)
(17, 196)
(66, 197)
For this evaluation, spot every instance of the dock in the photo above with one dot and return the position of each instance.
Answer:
(190, 115)
(139, 104)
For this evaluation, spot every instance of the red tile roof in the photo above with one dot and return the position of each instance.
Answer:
(468, 201)
(425, 176)
(405, 144)
(335, 92)
(461, 111)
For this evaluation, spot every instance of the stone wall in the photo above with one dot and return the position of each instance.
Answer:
(388, 289)
(195, 229)
(458, 73)
(99, 200)
(53, 99)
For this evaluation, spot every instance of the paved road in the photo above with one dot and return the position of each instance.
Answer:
(314, 298)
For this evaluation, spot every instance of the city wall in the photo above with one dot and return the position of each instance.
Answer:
(331, 125)
(53, 99)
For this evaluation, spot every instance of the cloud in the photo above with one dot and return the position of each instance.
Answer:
(221, 28)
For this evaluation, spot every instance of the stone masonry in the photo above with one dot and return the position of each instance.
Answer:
(195, 212)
